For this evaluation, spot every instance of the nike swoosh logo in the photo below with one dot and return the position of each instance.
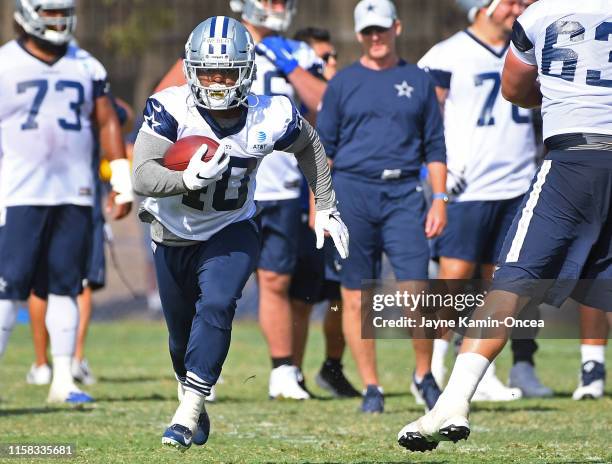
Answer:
(156, 108)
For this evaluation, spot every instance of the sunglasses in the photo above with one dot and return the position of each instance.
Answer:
(375, 29)
(329, 55)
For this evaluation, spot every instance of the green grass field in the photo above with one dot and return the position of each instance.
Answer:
(136, 396)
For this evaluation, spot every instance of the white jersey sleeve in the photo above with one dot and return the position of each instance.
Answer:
(279, 177)
(270, 123)
(438, 67)
(46, 130)
(490, 143)
(571, 43)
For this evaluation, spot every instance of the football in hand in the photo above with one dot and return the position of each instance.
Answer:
(177, 157)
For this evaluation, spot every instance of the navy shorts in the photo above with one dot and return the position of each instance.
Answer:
(199, 286)
(563, 230)
(382, 217)
(280, 227)
(308, 282)
(476, 230)
(44, 249)
(95, 277)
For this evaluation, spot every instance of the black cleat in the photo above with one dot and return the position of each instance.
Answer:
(414, 441)
(455, 433)
(331, 378)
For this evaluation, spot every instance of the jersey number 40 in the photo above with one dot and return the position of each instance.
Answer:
(227, 194)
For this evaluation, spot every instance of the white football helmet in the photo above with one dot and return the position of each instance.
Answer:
(55, 30)
(471, 7)
(261, 13)
(224, 44)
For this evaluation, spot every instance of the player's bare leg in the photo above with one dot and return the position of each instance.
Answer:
(300, 312)
(491, 388)
(8, 317)
(275, 312)
(276, 324)
(332, 329)
(363, 350)
(450, 268)
(594, 328)
(85, 305)
(331, 375)
(40, 371)
(80, 367)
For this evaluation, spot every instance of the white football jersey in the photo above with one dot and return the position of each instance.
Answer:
(271, 123)
(279, 177)
(571, 43)
(489, 141)
(46, 139)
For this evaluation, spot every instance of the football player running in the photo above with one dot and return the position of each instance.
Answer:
(54, 95)
(491, 158)
(560, 59)
(206, 240)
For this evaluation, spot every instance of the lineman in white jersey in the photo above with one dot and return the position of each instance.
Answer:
(290, 68)
(560, 59)
(54, 94)
(205, 239)
(491, 159)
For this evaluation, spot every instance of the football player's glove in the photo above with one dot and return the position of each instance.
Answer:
(328, 220)
(200, 173)
(121, 181)
(455, 183)
(278, 51)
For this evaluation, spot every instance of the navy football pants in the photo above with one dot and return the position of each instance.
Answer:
(199, 286)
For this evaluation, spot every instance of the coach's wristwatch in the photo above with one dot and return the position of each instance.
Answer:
(440, 196)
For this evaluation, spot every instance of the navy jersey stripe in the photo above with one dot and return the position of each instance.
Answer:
(440, 78)
(292, 133)
(159, 120)
(520, 39)
(100, 88)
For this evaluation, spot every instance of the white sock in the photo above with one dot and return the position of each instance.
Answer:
(62, 322)
(440, 347)
(8, 316)
(189, 410)
(467, 372)
(490, 372)
(62, 374)
(593, 353)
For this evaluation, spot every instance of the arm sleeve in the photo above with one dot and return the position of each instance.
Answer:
(151, 179)
(329, 120)
(522, 45)
(311, 158)
(434, 145)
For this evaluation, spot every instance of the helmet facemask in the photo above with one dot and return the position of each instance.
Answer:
(220, 46)
(56, 30)
(218, 96)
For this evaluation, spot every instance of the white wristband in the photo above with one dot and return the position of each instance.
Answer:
(121, 180)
